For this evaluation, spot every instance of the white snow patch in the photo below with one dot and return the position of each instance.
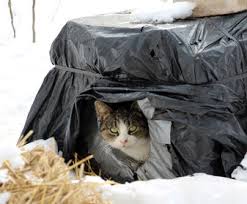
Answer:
(60, 153)
(4, 176)
(4, 197)
(89, 179)
(11, 153)
(200, 188)
(23, 69)
(49, 144)
(93, 179)
(240, 173)
(23, 64)
(35, 180)
(72, 175)
(163, 12)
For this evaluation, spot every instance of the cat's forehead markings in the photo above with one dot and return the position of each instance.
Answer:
(122, 127)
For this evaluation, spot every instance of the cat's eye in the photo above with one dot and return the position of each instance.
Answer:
(132, 128)
(114, 130)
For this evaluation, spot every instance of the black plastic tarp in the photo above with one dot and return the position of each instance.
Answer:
(192, 72)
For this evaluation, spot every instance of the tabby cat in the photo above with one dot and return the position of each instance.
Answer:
(125, 129)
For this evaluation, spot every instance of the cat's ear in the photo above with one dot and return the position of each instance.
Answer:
(135, 107)
(102, 110)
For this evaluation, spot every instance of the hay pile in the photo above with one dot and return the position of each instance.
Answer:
(45, 178)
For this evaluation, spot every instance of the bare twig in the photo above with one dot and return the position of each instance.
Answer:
(33, 24)
(12, 17)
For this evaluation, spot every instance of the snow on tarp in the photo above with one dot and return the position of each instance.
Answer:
(163, 12)
(193, 72)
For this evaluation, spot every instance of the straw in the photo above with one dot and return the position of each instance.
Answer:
(45, 178)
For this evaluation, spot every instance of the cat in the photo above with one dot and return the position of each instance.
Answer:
(125, 129)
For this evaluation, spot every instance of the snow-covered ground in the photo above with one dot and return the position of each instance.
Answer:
(197, 189)
(23, 66)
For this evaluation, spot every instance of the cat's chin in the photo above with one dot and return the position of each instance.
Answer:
(121, 147)
(125, 147)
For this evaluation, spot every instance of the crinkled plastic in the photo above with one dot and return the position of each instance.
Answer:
(192, 73)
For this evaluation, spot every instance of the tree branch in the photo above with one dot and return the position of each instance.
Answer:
(33, 25)
(12, 17)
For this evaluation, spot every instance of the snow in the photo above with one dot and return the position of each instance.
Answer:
(11, 153)
(88, 179)
(4, 176)
(24, 66)
(29, 175)
(49, 145)
(93, 179)
(200, 188)
(4, 197)
(240, 173)
(163, 12)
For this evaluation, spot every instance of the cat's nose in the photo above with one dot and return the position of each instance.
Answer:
(124, 141)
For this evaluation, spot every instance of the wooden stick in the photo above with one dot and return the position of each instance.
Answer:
(12, 17)
(33, 24)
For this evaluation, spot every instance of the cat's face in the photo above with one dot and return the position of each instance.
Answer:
(122, 128)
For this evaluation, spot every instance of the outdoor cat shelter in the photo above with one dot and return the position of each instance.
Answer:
(191, 73)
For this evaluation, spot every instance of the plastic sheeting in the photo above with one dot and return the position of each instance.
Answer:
(193, 73)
